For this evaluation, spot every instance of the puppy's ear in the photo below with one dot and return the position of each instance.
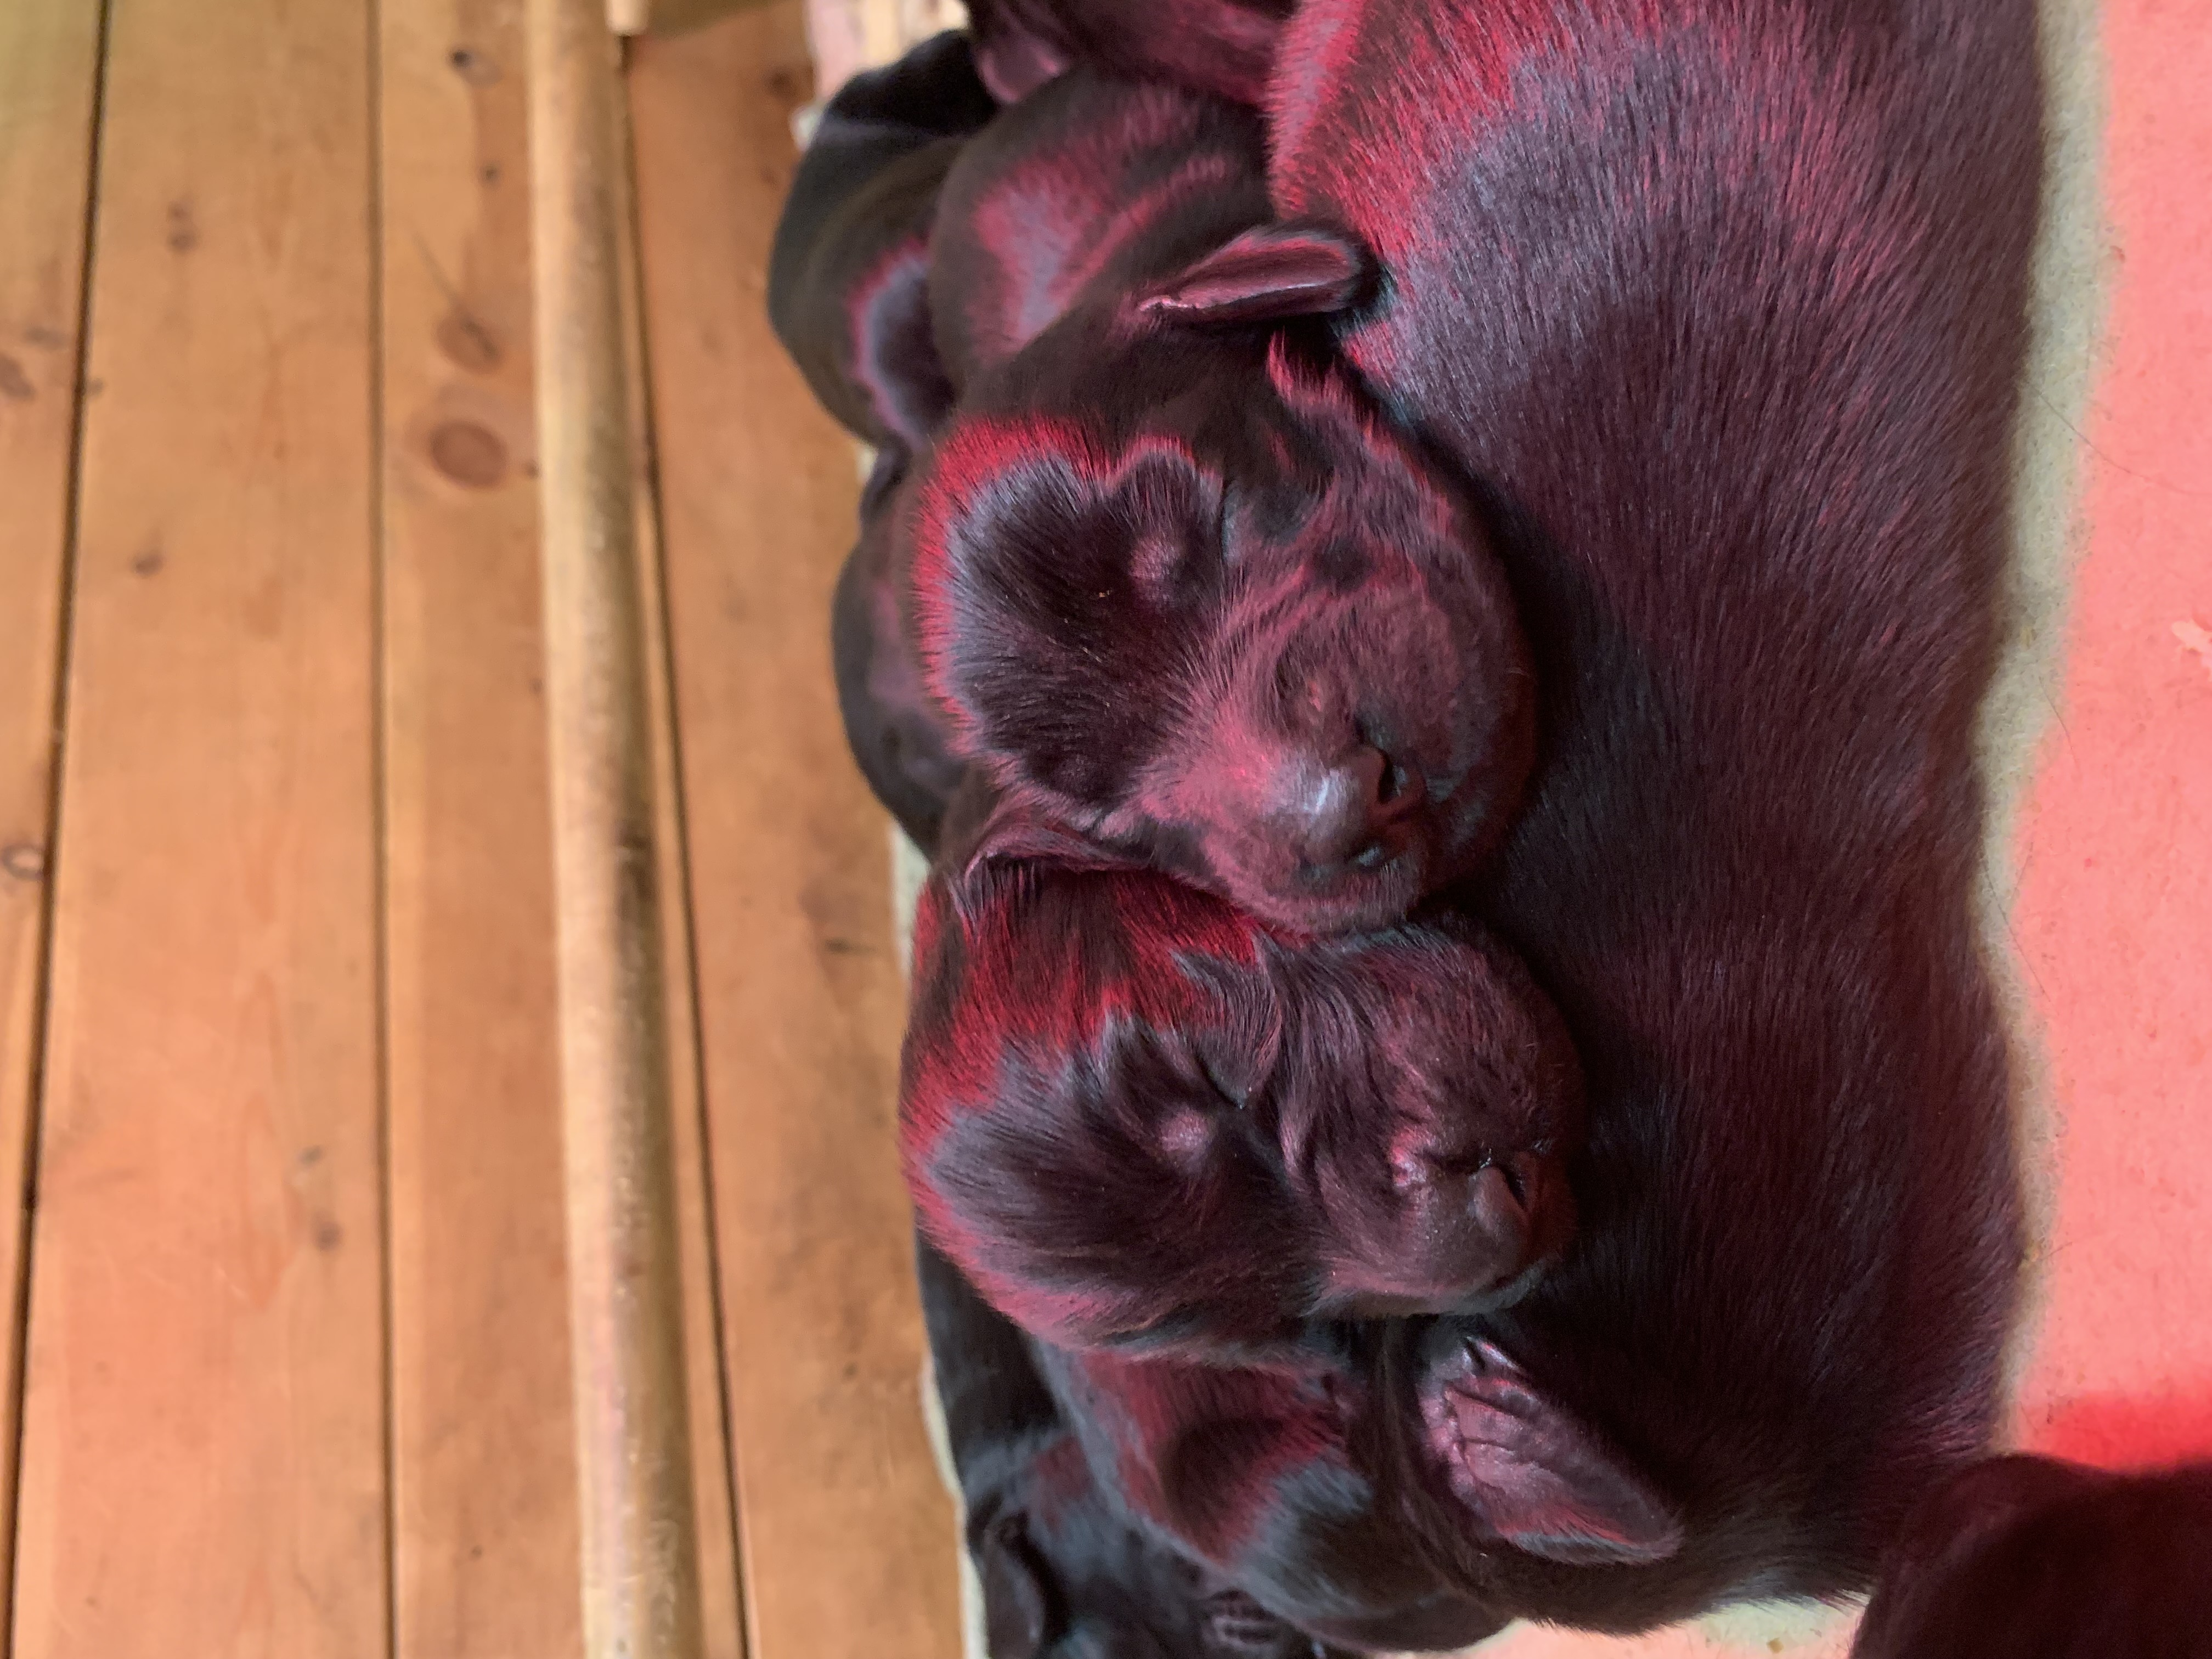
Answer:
(991, 840)
(1539, 1479)
(1014, 834)
(1266, 274)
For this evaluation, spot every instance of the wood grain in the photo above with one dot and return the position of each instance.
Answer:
(205, 1289)
(846, 1530)
(48, 68)
(483, 1470)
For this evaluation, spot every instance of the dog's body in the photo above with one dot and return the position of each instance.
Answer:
(1723, 308)
(848, 296)
(2022, 1558)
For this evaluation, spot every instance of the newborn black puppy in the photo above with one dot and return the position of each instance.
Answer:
(1172, 585)
(847, 281)
(1067, 1572)
(849, 298)
(1136, 1117)
(1723, 308)
(1162, 576)
(2021, 1557)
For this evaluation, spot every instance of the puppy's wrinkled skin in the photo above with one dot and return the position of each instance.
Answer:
(1174, 585)
(1136, 1118)
(1067, 1571)
(2023, 1558)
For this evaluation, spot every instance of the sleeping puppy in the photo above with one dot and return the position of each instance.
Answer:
(1174, 586)
(1722, 309)
(2022, 1558)
(1136, 1117)
(847, 284)
(848, 297)
(1067, 1572)
(1160, 575)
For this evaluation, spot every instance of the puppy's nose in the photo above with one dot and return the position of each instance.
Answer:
(1339, 811)
(1510, 1215)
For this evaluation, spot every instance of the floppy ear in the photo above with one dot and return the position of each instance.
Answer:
(1539, 1479)
(1268, 272)
(1014, 833)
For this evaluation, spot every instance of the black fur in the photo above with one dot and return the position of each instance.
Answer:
(2022, 1558)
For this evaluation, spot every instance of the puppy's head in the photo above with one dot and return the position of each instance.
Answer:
(1176, 587)
(1134, 1117)
(1064, 1577)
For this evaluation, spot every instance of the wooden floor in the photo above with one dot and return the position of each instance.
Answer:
(289, 1365)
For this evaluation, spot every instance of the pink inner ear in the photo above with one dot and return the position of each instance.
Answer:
(1268, 272)
(1537, 1478)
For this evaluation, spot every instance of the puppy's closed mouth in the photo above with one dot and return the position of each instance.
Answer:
(1384, 855)
(1490, 1299)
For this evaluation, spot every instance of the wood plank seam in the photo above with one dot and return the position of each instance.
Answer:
(19, 1292)
(380, 799)
(684, 1017)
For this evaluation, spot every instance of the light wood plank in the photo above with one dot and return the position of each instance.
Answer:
(206, 1283)
(48, 66)
(845, 1528)
(484, 1470)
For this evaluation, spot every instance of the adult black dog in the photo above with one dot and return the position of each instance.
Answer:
(2023, 1558)
(1722, 306)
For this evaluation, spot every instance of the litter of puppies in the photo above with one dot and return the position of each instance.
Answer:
(1430, 574)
